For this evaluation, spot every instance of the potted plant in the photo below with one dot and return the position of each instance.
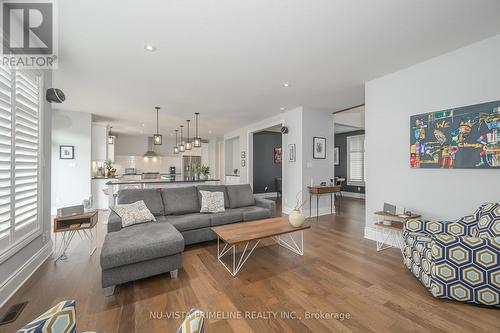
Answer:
(108, 165)
(196, 171)
(204, 171)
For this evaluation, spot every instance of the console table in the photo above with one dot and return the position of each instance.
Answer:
(82, 224)
(319, 190)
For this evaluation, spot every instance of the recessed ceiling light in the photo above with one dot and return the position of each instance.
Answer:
(286, 84)
(282, 108)
(142, 125)
(150, 48)
(209, 131)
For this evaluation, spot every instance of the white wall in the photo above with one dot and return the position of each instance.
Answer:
(466, 76)
(303, 123)
(71, 178)
(317, 123)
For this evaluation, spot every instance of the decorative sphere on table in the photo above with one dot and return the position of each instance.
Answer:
(296, 218)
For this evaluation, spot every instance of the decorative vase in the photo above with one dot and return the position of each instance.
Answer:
(296, 218)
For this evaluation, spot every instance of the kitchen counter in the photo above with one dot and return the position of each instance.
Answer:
(157, 181)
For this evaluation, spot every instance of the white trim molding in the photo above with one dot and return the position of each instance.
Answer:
(9, 287)
(353, 195)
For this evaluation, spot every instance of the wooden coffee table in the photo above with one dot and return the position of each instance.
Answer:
(249, 234)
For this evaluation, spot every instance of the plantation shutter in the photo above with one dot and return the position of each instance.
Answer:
(5, 156)
(26, 153)
(356, 160)
(19, 156)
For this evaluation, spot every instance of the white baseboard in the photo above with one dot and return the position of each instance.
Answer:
(267, 195)
(353, 195)
(9, 287)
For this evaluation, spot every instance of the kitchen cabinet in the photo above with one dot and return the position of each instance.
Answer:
(232, 179)
(99, 190)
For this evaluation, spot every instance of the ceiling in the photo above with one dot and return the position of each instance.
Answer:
(349, 120)
(228, 59)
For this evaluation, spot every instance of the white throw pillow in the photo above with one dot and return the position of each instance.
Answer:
(212, 202)
(133, 213)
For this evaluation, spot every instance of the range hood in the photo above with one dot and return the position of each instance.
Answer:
(150, 152)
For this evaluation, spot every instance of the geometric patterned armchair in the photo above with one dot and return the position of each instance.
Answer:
(457, 260)
(62, 319)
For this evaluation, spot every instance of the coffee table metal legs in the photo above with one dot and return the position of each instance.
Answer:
(235, 268)
(238, 260)
(288, 242)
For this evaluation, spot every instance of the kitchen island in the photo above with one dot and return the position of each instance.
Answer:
(118, 184)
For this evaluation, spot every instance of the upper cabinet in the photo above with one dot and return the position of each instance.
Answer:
(99, 142)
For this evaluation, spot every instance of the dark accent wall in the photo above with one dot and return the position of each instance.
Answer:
(265, 171)
(341, 170)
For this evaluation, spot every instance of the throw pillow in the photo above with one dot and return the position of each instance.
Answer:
(212, 202)
(133, 213)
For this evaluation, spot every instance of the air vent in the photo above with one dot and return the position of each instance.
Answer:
(13, 312)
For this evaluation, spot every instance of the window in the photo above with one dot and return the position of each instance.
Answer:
(19, 158)
(356, 169)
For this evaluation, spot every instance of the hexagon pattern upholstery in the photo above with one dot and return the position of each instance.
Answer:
(59, 319)
(457, 260)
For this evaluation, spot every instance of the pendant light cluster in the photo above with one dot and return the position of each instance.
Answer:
(188, 144)
(157, 137)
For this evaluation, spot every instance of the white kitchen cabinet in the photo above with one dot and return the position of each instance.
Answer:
(98, 193)
(231, 180)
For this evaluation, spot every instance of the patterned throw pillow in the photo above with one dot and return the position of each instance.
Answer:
(212, 202)
(195, 320)
(133, 213)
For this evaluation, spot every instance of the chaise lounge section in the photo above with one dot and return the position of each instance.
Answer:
(149, 249)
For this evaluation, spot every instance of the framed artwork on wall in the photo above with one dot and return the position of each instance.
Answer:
(460, 138)
(292, 153)
(319, 147)
(336, 155)
(66, 152)
(277, 155)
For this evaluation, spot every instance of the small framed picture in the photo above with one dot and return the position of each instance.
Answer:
(319, 147)
(243, 163)
(66, 152)
(243, 154)
(292, 153)
(336, 155)
(277, 155)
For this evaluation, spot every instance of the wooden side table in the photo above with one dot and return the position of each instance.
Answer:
(388, 235)
(319, 190)
(83, 224)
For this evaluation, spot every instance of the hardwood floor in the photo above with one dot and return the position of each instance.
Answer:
(340, 272)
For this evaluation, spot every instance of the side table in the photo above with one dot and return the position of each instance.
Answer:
(389, 235)
(85, 225)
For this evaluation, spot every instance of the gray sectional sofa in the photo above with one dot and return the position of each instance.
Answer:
(148, 249)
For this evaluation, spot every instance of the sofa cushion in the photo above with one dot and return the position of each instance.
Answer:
(254, 213)
(489, 221)
(240, 195)
(214, 188)
(212, 202)
(226, 217)
(189, 221)
(151, 197)
(180, 200)
(133, 213)
(140, 243)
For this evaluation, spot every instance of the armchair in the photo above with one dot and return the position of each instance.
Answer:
(457, 260)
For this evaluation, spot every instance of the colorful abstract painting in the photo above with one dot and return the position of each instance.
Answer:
(462, 138)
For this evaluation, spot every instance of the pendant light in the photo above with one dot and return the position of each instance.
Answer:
(197, 139)
(182, 148)
(157, 138)
(189, 145)
(111, 138)
(176, 148)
